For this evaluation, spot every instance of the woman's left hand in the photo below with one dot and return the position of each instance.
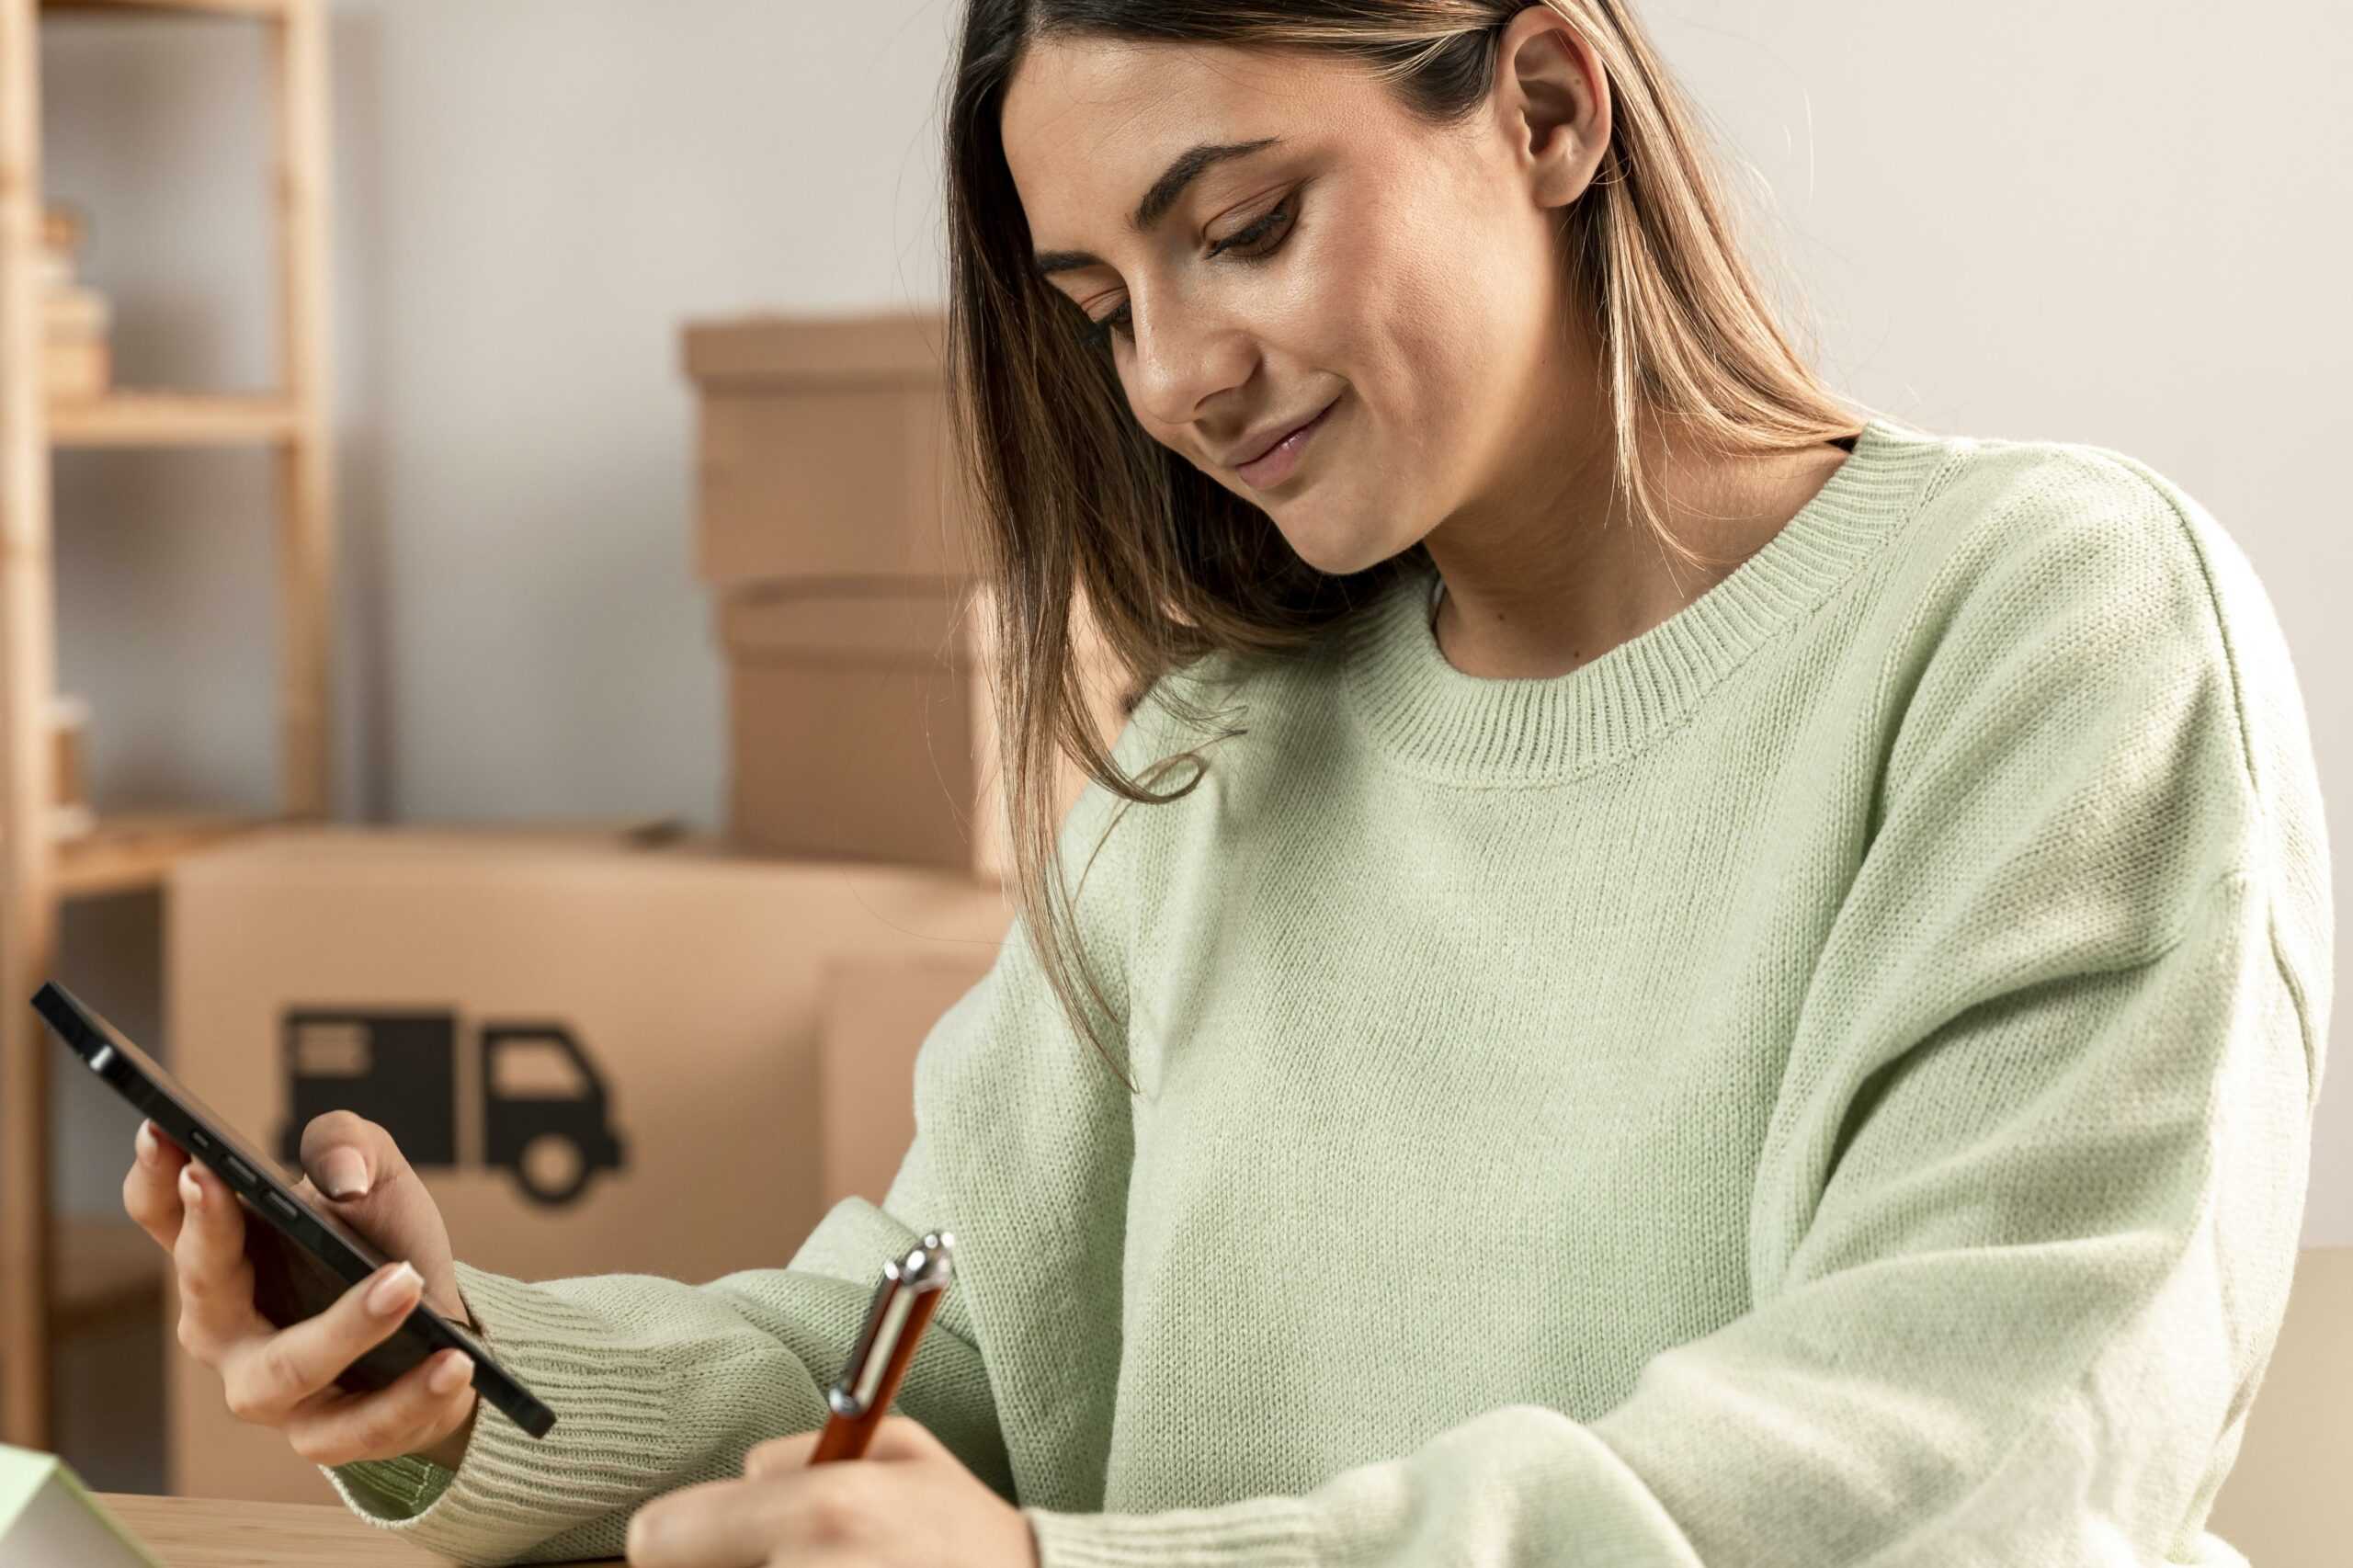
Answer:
(908, 1503)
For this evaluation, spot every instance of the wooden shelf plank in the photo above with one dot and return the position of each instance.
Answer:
(267, 8)
(174, 419)
(131, 850)
(105, 1266)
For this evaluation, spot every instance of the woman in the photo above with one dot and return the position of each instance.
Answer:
(1750, 991)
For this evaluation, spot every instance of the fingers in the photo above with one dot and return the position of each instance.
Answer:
(349, 1156)
(266, 1374)
(781, 1501)
(216, 1283)
(149, 1192)
(416, 1410)
(790, 1451)
(724, 1521)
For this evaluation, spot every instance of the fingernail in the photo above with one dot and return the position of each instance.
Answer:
(191, 1186)
(450, 1373)
(396, 1290)
(145, 1143)
(342, 1173)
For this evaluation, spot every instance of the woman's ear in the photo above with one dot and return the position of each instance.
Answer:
(1553, 102)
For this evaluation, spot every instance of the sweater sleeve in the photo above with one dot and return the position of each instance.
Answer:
(2027, 1211)
(659, 1385)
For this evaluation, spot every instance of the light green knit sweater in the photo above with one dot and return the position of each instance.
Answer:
(1827, 1081)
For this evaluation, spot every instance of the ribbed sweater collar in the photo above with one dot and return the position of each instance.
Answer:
(1437, 722)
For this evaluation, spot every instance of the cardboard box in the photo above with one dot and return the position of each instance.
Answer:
(876, 1014)
(579, 1046)
(861, 726)
(850, 723)
(824, 450)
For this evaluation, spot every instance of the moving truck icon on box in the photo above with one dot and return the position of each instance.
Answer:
(542, 1106)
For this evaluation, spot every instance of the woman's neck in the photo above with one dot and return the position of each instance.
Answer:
(1541, 604)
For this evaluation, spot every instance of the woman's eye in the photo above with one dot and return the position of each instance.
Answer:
(1250, 236)
(1246, 243)
(1121, 320)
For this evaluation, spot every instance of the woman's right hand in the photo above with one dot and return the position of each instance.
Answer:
(285, 1378)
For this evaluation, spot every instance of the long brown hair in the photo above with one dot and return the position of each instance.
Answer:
(1076, 505)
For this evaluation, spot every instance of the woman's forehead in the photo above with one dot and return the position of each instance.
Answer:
(1088, 121)
(1090, 79)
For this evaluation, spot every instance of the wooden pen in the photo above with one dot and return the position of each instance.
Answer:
(903, 1302)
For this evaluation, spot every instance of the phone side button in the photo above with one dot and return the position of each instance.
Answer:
(237, 1169)
(284, 1205)
(196, 1135)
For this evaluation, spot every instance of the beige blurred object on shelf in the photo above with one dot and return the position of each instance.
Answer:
(77, 363)
(63, 228)
(69, 718)
(61, 233)
(77, 359)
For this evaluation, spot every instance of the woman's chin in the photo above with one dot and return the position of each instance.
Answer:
(1341, 547)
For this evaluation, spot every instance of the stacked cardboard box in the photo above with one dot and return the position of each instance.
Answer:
(834, 526)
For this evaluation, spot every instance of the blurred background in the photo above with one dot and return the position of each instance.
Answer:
(526, 581)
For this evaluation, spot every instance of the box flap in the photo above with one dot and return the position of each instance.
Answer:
(773, 348)
(344, 848)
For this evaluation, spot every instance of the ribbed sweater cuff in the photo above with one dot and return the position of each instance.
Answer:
(407, 1483)
(1263, 1532)
(512, 1491)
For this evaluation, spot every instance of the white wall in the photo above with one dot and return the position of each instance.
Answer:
(2017, 219)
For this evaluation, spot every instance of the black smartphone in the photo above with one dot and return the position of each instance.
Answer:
(304, 1259)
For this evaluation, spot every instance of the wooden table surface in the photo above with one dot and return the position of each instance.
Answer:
(215, 1533)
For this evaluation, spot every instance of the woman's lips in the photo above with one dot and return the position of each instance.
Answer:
(1278, 463)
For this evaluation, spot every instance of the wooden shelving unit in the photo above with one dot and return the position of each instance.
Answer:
(171, 419)
(57, 1276)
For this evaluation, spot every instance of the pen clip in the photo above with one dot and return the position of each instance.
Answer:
(927, 1266)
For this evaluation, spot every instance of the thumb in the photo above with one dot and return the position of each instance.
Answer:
(346, 1155)
(342, 1173)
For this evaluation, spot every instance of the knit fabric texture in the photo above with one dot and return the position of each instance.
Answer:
(1828, 1081)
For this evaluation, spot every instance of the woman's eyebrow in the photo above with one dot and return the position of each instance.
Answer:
(1181, 172)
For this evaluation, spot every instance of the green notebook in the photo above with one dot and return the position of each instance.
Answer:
(49, 1519)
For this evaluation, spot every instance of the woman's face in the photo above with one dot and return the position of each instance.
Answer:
(1399, 283)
